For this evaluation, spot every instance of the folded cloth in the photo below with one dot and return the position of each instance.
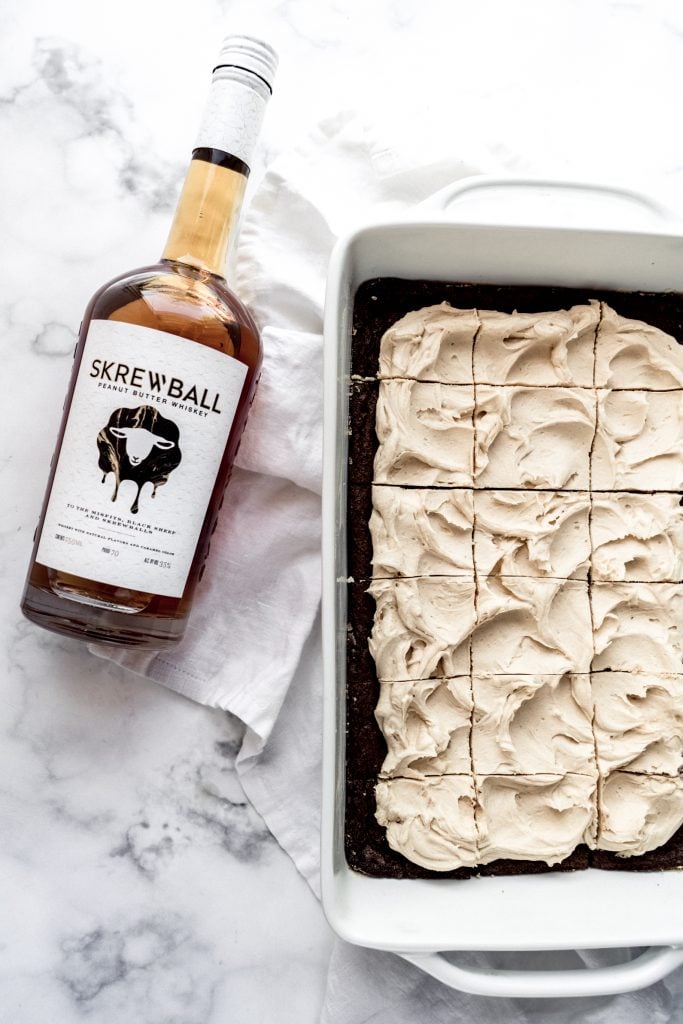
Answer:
(253, 638)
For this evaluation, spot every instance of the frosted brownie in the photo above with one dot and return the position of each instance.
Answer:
(636, 537)
(531, 626)
(532, 724)
(536, 437)
(637, 627)
(421, 532)
(549, 351)
(638, 722)
(553, 349)
(626, 348)
(639, 441)
(434, 345)
(426, 434)
(531, 533)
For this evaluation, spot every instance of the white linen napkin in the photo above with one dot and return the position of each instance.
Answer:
(253, 644)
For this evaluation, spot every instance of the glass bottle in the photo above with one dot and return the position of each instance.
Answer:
(164, 374)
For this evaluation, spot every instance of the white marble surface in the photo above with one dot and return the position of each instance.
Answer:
(136, 883)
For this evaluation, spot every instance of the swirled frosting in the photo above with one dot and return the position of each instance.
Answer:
(433, 344)
(421, 532)
(422, 626)
(532, 724)
(436, 822)
(630, 353)
(639, 441)
(637, 537)
(639, 812)
(534, 817)
(638, 722)
(537, 348)
(426, 725)
(425, 434)
(533, 437)
(531, 626)
(525, 709)
(638, 627)
(430, 821)
(532, 533)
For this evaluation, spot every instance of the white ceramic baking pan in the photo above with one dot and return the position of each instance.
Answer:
(425, 919)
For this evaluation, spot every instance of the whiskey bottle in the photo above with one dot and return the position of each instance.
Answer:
(164, 374)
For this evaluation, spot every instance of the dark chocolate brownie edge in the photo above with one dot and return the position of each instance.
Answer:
(360, 666)
(665, 858)
(359, 541)
(362, 437)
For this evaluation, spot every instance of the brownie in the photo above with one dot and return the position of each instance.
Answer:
(359, 554)
(578, 860)
(368, 851)
(365, 746)
(666, 857)
(360, 665)
(378, 304)
(362, 437)
(381, 302)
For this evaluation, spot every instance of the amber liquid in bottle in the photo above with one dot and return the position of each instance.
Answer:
(185, 295)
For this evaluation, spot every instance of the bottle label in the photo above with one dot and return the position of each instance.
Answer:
(147, 429)
(232, 117)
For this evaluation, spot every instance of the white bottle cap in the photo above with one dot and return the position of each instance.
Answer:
(250, 54)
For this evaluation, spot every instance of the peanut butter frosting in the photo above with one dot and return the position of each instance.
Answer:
(455, 821)
(425, 433)
(422, 627)
(430, 821)
(630, 353)
(638, 627)
(431, 344)
(639, 441)
(637, 537)
(537, 348)
(426, 724)
(533, 437)
(532, 533)
(638, 813)
(534, 817)
(638, 722)
(421, 532)
(531, 626)
(527, 561)
(530, 724)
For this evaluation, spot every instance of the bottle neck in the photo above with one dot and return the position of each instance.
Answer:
(207, 215)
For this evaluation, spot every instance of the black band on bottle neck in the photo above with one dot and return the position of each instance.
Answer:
(217, 156)
(249, 71)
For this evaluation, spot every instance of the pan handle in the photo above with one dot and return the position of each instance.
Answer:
(648, 967)
(450, 194)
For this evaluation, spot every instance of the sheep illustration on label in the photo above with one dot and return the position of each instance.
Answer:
(140, 445)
